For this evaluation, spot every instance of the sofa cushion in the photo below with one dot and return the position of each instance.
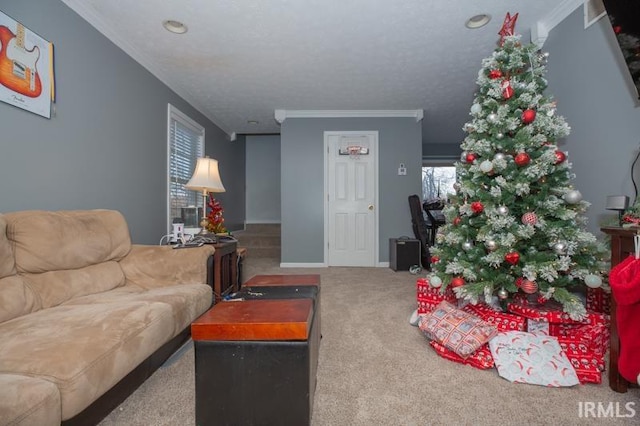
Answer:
(187, 301)
(16, 298)
(7, 261)
(84, 349)
(51, 241)
(56, 287)
(26, 401)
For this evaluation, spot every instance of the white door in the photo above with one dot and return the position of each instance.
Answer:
(351, 187)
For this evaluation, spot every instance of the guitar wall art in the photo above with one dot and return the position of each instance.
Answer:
(26, 68)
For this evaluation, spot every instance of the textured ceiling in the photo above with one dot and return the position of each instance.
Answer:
(240, 60)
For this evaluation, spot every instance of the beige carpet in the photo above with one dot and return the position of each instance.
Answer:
(376, 369)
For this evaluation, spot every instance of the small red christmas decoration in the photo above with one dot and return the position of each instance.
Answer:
(617, 29)
(528, 115)
(215, 221)
(493, 74)
(457, 220)
(519, 281)
(508, 27)
(507, 90)
(434, 259)
(512, 257)
(529, 218)
(522, 159)
(457, 282)
(542, 300)
(560, 156)
(477, 207)
(529, 287)
(471, 157)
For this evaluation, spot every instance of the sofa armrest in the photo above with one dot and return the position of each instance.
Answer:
(150, 266)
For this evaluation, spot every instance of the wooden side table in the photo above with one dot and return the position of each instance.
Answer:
(621, 246)
(225, 269)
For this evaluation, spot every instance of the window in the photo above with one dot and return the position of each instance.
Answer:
(437, 180)
(185, 144)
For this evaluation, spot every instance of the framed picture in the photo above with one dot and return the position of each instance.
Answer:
(593, 10)
(26, 68)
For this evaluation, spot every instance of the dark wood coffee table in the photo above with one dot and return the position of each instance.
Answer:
(256, 362)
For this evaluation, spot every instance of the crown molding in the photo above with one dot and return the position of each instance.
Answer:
(283, 114)
(540, 30)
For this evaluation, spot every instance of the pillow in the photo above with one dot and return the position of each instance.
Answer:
(456, 329)
(530, 358)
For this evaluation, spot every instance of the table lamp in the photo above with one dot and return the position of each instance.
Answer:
(206, 178)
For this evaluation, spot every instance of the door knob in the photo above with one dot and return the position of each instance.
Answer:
(370, 206)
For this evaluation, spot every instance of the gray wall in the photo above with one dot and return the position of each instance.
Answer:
(263, 179)
(588, 78)
(105, 145)
(302, 159)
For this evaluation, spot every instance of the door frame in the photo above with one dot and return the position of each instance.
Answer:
(376, 210)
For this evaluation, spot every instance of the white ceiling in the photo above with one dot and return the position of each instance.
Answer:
(241, 60)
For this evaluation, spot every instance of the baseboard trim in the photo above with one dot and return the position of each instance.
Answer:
(263, 222)
(302, 265)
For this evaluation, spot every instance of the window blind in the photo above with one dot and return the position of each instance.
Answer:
(186, 145)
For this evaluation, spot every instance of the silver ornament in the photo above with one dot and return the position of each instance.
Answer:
(463, 156)
(434, 281)
(592, 280)
(499, 136)
(457, 186)
(559, 248)
(491, 245)
(499, 156)
(476, 109)
(486, 166)
(492, 118)
(572, 197)
(502, 210)
(467, 245)
(503, 294)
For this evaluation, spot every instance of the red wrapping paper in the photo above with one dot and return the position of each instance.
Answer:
(429, 297)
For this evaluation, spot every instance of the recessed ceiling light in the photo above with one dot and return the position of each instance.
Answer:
(478, 21)
(253, 122)
(175, 27)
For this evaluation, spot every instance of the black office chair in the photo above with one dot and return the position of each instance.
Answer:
(433, 210)
(421, 230)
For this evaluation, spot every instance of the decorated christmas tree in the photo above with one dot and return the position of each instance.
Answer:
(515, 223)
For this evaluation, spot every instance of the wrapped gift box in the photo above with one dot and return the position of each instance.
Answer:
(429, 297)
(588, 367)
(599, 300)
(482, 358)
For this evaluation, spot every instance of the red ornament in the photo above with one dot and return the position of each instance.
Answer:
(508, 27)
(435, 259)
(477, 207)
(457, 220)
(522, 159)
(519, 281)
(493, 74)
(560, 157)
(528, 115)
(457, 282)
(529, 287)
(617, 29)
(507, 90)
(471, 157)
(512, 257)
(529, 218)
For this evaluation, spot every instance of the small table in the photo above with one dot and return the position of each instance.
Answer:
(225, 269)
(256, 362)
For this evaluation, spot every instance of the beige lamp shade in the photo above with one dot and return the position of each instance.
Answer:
(206, 177)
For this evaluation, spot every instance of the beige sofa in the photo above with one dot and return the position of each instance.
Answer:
(81, 308)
